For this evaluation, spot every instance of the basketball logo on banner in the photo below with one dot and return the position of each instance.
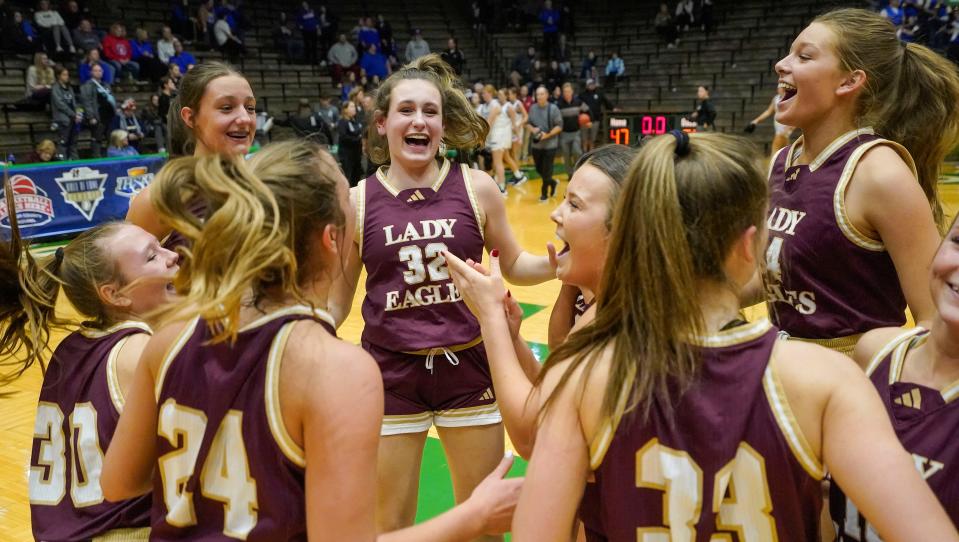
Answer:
(31, 203)
(82, 188)
(136, 179)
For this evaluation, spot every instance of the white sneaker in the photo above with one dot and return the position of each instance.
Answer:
(521, 179)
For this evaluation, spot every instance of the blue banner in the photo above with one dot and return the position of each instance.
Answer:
(68, 197)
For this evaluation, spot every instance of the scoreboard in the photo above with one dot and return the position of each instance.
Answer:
(628, 128)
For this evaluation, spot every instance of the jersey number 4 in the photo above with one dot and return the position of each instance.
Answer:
(225, 476)
(744, 509)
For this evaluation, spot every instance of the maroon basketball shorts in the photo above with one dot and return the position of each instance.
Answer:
(447, 387)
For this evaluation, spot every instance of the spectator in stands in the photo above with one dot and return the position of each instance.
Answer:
(523, 63)
(526, 97)
(166, 95)
(175, 74)
(545, 124)
(342, 58)
(39, 79)
(347, 85)
(182, 21)
(368, 34)
(598, 103)
(705, 114)
(52, 29)
(549, 18)
(384, 28)
(556, 94)
(308, 124)
(358, 97)
(327, 25)
(264, 125)
(119, 53)
(120, 145)
(72, 14)
(228, 43)
(165, 49)
(389, 50)
(85, 37)
(204, 23)
(284, 39)
(570, 140)
(417, 46)
(454, 56)
(892, 11)
(374, 63)
(329, 112)
(553, 77)
(99, 108)
(182, 58)
(587, 69)
(93, 59)
(349, 133)
(665, 26)
(150, 66)
(564, 57)
(615, 70)
(685, 14)
(309, 25)
(44, 152)
(706, 20)
(128, 120)
(66, 116)
(19, 35)
(152, 122)
(537, 73)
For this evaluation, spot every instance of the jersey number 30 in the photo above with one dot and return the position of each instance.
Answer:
(226, 472)
(745, 509)
(48, 479)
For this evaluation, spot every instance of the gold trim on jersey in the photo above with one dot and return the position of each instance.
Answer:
(898, 360)
(796, 149)
(772, 163)
(93, 333)
(468, 180)
(113, 379)
(360, 214)
(599, 445)
(454, 348)
(444, 172)
(737, 335)
(848, 229)
(843, 345)
(950, 392)
(274, 414)
(467, 412)
(123, 535)
(174, 349)
(889, 347)
(294, 309)
(782, 412)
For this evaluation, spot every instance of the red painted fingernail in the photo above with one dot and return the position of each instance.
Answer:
(494, 253)
(509, 293)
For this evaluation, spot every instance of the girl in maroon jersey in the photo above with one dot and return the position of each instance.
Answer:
(113, 275)
(841, 193)
(692, 422)
(214, 112)
(426, 342)
(917, 375)
(250, 352)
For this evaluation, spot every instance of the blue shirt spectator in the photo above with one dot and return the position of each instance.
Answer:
(83, 70)
(115, 152)
(182, 58)
(141, 48)
(307, 20)
(893, 13)
(615, 66)
(550, 18)
(375, 63)
(368, 34)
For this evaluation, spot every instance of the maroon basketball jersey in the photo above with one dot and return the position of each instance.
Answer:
(824, 278)
(411, 302)
(80, 403)
(580, 306)
(227, 467)
(926, 422)
(730, 464)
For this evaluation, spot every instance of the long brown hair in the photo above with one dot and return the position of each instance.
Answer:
(463, 128)
(255, 237)
(29, 288)
(911, 92)
(182, 141)
(676, 218)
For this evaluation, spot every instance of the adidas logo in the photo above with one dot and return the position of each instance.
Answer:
(488, 395)
(417, 196)
(792, 176)
(910, 399)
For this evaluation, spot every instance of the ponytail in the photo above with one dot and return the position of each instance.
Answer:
(911, 92)
(677, 217)
(464, 128)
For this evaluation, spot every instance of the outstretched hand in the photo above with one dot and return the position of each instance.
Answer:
(495, 498)
(482, 290)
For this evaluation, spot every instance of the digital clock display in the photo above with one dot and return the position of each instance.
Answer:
(630, 128)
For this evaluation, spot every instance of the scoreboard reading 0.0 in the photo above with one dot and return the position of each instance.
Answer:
(630, 128)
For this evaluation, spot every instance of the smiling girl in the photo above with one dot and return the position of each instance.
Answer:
(853, 217)
(215, 113)
(425, 340)
(113, 275)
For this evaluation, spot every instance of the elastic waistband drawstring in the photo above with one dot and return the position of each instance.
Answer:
(450, 357)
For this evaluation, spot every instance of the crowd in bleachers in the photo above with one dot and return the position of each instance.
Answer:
(934, 23)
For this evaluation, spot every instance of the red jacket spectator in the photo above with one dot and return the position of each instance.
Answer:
(116, 46)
